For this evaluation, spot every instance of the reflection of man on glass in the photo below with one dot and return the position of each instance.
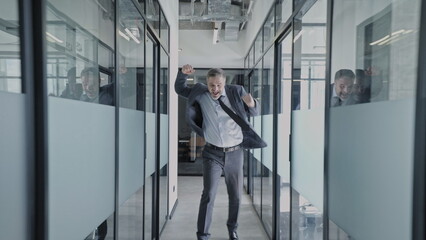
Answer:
(362, 87)
(90, 79)
(342, 88)
(72, 90)
(208, 118)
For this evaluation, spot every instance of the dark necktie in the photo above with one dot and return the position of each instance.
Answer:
(244, 126)
(335, 102)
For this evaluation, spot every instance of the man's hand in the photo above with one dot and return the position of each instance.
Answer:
(187, 69)
(248, 99)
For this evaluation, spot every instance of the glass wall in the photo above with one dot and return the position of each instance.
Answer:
(267, 135)
(90, 146)
(10, 59)
(283, 134)
(14, 167)
(164, 136)
(374, 70)
(130, 39)
(284, 9)
(256, 121)
(81, 117)
(307, 132)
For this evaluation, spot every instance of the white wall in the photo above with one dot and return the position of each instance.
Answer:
(198, 50)
(171, 9)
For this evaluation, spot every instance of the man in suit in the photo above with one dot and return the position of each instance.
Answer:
(224, 140)
(90, 79)
(342, 88)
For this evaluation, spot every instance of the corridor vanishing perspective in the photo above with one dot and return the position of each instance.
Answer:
(183, 224)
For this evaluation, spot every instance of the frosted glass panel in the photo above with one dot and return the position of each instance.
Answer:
(164, 126)
(150, 144)
(13, 167)
(257, 125)
(267, 135)
(81, 167)
(131, 170)
(370, 182)
(283, 148)
(308, 155)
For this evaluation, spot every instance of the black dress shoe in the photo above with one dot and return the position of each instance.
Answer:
(233, 236)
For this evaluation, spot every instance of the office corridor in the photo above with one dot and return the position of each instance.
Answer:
(182, 226)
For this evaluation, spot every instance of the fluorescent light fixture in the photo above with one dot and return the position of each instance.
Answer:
(131, 35)
(54, 38)
(123, 35)
(380, 40)
(398, 32)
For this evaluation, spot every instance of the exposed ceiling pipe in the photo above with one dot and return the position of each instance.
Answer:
(217, 27)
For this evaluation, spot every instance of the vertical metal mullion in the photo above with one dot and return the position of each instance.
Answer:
(291, 126)
(117, 121)
(144, 88)
(158, 140)
(419, 180)
(329, 29)
(275, 184)
(33, 59)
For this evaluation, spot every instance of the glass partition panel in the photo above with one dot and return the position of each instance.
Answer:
(130, 39)
(14, 197)
(284, 9)
(267, 103)
(307, 133)
(81, 134)
(269, 28)
(164, 31)
(152, 9)
(10, 60)
(256, 91)
(258, 46)
(283, 134)
(370, 165)
(164, 136)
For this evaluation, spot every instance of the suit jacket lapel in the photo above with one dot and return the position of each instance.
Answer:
(231, 98)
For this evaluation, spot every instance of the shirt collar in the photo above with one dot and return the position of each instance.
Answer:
(334, 90)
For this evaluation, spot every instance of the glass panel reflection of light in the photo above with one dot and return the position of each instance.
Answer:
(10, 63)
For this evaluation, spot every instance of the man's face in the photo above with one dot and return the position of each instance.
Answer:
(215, 86)
(343, 87)
(90, 85)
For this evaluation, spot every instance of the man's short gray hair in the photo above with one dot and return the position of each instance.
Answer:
(216, 72)
(344, 73)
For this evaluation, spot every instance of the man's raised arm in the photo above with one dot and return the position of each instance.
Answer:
(181, 87)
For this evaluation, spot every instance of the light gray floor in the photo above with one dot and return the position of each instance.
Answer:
(183, 224)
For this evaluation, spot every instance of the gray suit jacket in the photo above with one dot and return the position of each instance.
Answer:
(194, 115)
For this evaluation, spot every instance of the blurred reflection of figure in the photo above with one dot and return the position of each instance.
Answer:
(342, 88)
(90, 79)
(128, 87)
(73, 90)
(362, 87)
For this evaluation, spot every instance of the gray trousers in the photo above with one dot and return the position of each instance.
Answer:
(231, 163)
